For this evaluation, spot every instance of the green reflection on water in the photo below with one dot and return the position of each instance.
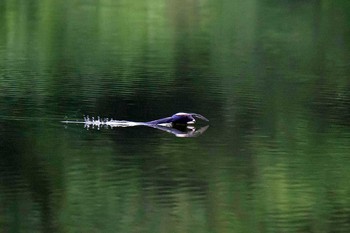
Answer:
(272, 77)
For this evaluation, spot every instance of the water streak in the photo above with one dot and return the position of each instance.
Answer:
(104, 122)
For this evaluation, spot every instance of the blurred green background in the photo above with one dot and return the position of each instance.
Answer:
(272, 77)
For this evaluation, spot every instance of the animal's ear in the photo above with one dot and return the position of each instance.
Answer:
(199, 116)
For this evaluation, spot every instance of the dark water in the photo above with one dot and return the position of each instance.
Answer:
(272, 77)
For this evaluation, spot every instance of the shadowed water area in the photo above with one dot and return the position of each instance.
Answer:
(271, 76)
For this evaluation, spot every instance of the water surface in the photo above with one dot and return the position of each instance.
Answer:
(272, 78)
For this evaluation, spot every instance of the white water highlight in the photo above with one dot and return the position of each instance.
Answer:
(92, 123)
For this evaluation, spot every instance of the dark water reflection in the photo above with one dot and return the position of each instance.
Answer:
(272, 77)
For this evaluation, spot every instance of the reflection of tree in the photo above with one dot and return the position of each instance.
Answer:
(274, 77)
(330, 99)
(35, 181)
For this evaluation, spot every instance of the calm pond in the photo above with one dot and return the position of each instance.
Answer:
(273, 78)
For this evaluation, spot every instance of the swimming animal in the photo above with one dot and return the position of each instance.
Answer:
(178, 124)
(180, 118)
